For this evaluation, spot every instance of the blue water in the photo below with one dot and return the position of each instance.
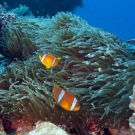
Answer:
(114, 16)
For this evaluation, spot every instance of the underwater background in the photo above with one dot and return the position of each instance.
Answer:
(90, 48)
(116, 17)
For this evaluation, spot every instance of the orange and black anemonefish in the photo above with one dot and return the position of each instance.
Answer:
(65, 99)
(49, 60)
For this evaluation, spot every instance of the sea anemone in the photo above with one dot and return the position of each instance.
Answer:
(94, 66)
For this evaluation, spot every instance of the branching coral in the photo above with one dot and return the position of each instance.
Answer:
(94, 66)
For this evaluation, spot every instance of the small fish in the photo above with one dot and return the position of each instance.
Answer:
(131, 41)
(113, 131)
(14, 36)
(20, 5)
(49, 60)
(37, 11)
(5, 3)
(65, 99)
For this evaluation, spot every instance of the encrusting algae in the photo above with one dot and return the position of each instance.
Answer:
(2, 132)
(47, 128)
(94, 66)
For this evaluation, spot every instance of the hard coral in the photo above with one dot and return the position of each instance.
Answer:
(94, 66)
(47, 128)
(132, 107)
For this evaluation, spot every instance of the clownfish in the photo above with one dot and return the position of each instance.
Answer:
(49, 60)
(65, 99)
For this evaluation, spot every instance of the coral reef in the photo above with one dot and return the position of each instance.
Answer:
(2, 132)
(47, 128)
(94, 66)
(46, 7)
(131, 48)
(15, 35)
(126, 132)
(3, 62)
(132, 107)
(5, 19)
(21, 11)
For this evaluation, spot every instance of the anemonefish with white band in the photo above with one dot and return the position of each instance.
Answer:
(65, 99)
(49, 60)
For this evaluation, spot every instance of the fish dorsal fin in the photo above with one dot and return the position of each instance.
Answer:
(73, 104)
(62, 93)
(54, 87)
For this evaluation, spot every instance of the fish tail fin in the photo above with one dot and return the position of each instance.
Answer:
(54, 84)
